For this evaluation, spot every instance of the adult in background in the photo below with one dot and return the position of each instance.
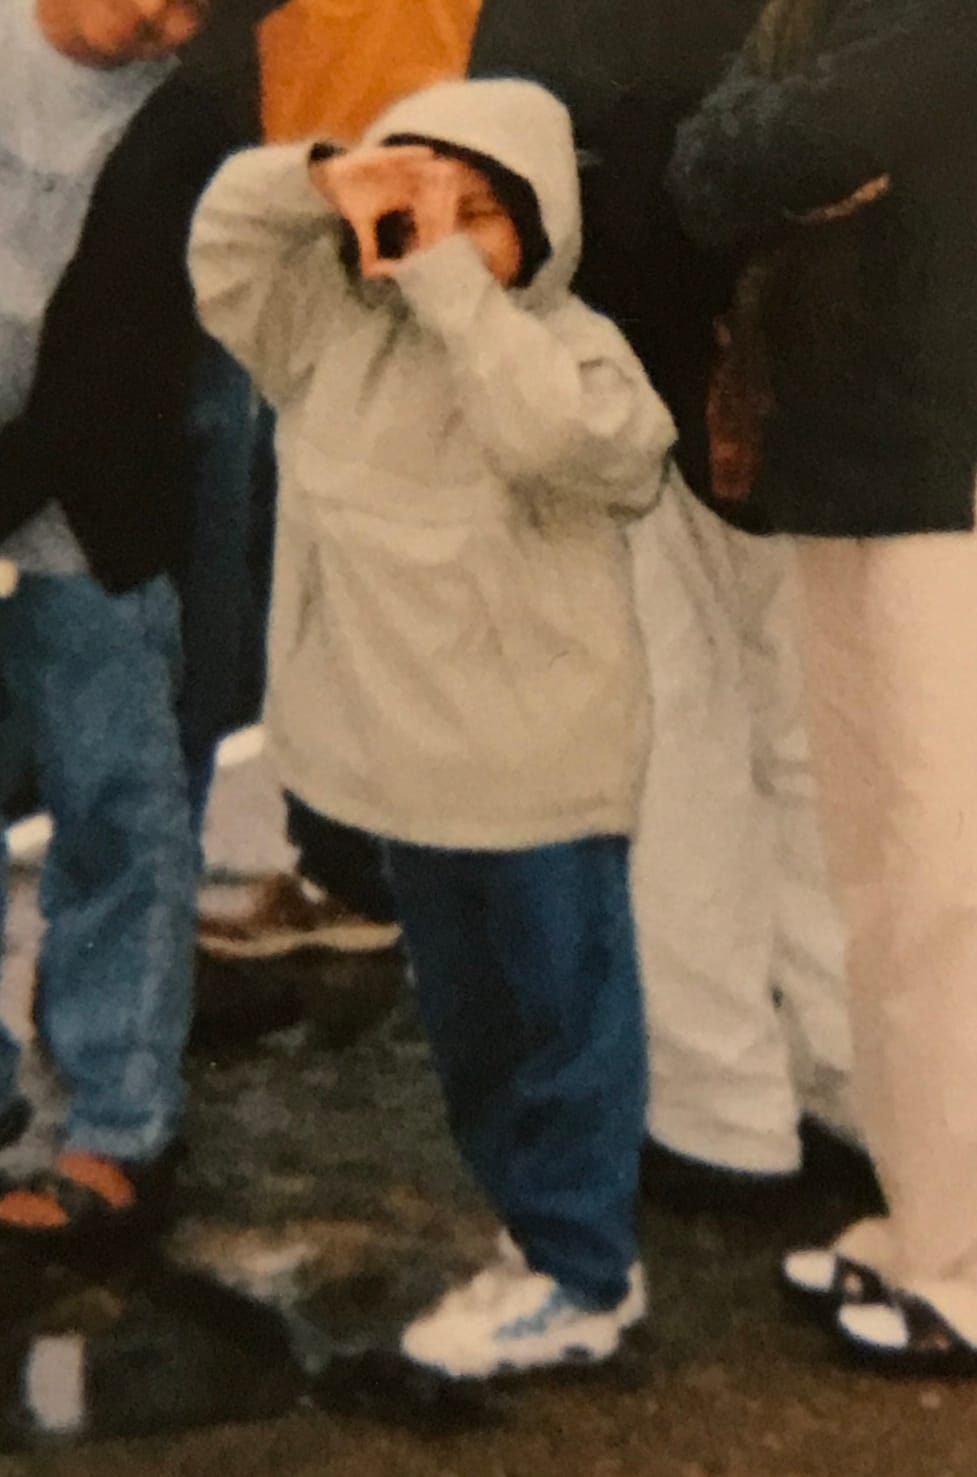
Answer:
(105, 151)
(740, 943)
(823, 158)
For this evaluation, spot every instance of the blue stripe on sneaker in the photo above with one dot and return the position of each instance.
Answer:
(537, 1323)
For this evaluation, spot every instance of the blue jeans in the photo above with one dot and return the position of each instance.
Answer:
(97, 677)
(528, 987)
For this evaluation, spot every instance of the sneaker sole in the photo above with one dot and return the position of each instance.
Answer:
(354, 938)
(571, 1356)
(536, 1357)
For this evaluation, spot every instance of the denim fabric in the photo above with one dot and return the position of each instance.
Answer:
(97, 676)
(527, 982)
(346, 862)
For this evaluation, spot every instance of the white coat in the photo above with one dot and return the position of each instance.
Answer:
(455, 659)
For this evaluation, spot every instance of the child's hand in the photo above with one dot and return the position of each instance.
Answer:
(409, 182)
(366, 184)
(873, 190)
(433, 215)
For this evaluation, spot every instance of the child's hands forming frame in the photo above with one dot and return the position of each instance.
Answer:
(397, 200)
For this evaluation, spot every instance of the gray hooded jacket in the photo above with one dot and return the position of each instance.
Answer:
(454, 655)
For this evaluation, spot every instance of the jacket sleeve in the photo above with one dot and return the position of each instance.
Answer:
(760, 150)
(265, 261)
(557, 401)
(105, 411)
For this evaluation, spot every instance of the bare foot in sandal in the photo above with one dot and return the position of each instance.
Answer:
(43, 1207)
(84, 1193)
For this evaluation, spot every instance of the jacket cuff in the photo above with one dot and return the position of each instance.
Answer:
(281, 171)
(446, 284)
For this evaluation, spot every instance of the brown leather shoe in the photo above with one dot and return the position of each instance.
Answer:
(281, 920)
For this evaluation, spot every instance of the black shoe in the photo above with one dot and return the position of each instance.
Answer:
(819, 1282)
(906, 1336)
(165, 1356)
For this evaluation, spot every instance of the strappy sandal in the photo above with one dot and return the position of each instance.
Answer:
(94, 1200)
(821, 1281)
(906, 1336)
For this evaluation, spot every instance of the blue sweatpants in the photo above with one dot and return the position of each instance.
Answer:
(528, 987)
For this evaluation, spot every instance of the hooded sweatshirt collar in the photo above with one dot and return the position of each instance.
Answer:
(527, 131)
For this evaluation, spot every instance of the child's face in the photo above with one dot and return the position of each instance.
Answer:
(489, 226)
(110, 33)
(434, 196)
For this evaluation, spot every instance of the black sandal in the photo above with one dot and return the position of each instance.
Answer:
(822, 1281)
(91, 1220)
(930, 1347)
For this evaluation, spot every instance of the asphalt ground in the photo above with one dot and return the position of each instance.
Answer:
(321, 1203)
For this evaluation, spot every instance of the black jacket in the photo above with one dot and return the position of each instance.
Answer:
(629, 71)
(105, 431)
(874, 429)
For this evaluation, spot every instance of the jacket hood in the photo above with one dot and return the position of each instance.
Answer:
(523, 128)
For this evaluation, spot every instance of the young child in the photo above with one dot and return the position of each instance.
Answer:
(455, 660)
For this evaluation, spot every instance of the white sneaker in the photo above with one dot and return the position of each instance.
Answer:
(508, 1318)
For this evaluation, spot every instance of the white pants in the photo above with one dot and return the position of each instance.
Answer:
(729, 886)
(890, 641)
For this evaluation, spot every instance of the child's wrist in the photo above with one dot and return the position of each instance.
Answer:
(445, 283)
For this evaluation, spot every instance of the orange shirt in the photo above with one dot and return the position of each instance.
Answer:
(330, 66)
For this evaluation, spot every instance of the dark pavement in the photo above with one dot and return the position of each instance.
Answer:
(321, 1204)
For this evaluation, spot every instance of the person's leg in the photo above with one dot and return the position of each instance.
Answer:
(528, 985)
(18, 777)
(704, 863)
(346, 863)
(891, 663)
(527, 981)
(100, 673)
(14, 1113)
(561, 921)
(337, 899)
(223, 606)
(464, 999)
(807, 968)
(199, 762)
(18, 796)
